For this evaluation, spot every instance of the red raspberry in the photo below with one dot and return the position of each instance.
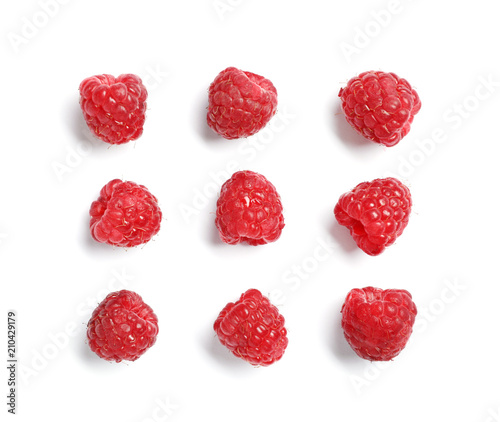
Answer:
(378, 323)
(249, 210)
(114, 108)
(380, 106)
(376, 213)
(252, 329)
(125, 214)
(240, 103)
(122, 327)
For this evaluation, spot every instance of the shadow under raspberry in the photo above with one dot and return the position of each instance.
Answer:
(347, 134)
(205, 132)
(342, 236)
(337, 342)
(222, 355)
(79, 129)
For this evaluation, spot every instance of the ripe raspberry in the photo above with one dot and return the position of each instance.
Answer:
(378, 323)
(249, 210)
(122, 327)
(252, 329)
(240, 103)
(125, 214)
(376, 213)
(380, 106)
(114, 108)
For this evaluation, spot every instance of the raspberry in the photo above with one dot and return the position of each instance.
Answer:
(125, 214)
(122, 327)
(380, 106)
(378, 323)
(240, 103)
(114, 108)
(252, 329)
(376, 213)
(249, 210)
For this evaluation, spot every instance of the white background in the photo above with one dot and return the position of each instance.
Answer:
(53, 274)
